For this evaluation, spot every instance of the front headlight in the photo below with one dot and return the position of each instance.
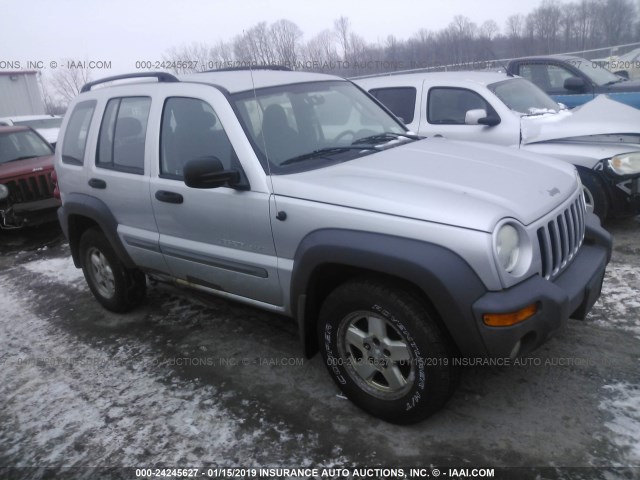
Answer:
(4, 191)
(508, 247)
(625, 163)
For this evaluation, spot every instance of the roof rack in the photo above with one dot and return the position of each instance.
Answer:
(161, 76)
(280, 68)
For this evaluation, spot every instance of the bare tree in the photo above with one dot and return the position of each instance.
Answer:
(321, 49)
(617, 18)
(66, 83)
(342, 28)
(286, 37)
(190, 58)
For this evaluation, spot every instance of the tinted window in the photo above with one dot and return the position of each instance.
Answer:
(401, 101)
(191, 129)
(75, 137)
(450, 105)
(122, 134)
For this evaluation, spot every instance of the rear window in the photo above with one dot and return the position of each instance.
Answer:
(400, 100)
(75, 137)
(123, 133)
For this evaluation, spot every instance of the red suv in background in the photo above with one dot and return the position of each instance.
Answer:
(26, 186)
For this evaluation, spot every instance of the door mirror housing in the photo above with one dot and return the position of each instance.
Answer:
(574, 83)
(208, 172)
(480, 117)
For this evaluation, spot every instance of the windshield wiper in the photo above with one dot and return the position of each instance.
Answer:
(615, 81)
(386, 136)
(24, 157)
(323, 151)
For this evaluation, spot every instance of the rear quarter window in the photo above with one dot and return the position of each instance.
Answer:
(400, 100)
(75, 136)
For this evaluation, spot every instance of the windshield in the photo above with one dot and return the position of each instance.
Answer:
(20, 145)
(314, 124)
(523, 96)
(598, 74)
(53, 122)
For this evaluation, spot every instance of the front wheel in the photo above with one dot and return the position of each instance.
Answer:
(385, 351)
(117, 288)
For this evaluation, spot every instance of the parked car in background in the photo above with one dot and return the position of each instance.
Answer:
(26, 184)
(601, 138)
(627, 65)
(46, 125)
(299, 194)
(573, 81)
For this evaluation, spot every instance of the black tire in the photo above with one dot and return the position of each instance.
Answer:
(595, 193)
(117, 288)
(422, 370)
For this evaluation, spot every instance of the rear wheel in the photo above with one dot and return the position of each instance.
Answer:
(385, 351)
(117, 288)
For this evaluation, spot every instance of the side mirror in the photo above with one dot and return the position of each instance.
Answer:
(208, 172)
(480, 117)
(472, 117)
(574, 83)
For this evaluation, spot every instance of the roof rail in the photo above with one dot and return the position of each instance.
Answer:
(161, 76)
(280, 68)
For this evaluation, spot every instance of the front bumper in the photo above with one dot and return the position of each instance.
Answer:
(571, 295)
(29, 213)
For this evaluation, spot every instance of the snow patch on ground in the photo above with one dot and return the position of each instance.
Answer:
(623, 405)
(619, 299)
(68, 403)
(60, 270)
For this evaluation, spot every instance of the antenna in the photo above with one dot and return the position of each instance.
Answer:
(279, 215)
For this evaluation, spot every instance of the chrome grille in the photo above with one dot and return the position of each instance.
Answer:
(561, 238)
(31, 188)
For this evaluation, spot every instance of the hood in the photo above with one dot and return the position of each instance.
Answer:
(464, 184)
(20, 168)
(49, 134)
(624, 86)
(585, 120)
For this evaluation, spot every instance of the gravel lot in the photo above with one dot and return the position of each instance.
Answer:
(193, 381)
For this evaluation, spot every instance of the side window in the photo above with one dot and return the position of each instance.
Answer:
(557, 76)
(122, 134)
(537, 74)
(75, 137)
(191, 129)
(400, 100)
(449, 106)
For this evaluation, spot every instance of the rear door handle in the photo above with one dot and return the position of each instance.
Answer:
(169, 197)
(97, 183)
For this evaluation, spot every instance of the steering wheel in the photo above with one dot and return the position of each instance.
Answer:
(344, 134)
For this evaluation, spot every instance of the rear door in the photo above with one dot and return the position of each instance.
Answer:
(215, 238)
(118, 173)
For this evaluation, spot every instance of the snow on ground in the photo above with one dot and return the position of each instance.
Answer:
(75, 404)
(623, 404)
(61, 270)
(619, 298)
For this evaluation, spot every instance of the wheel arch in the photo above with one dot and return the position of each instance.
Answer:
(437, 276)
(81, 212)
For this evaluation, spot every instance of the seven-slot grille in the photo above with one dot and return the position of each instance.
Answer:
(30, 188)
(561, 238)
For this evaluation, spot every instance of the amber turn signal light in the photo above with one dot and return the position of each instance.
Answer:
(508, 319)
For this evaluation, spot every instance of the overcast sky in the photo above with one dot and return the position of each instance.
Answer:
(123, 31)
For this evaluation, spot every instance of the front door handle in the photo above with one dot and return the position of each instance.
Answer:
(169, 197)
(97, 183)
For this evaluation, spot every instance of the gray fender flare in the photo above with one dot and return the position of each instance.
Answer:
(444, 277)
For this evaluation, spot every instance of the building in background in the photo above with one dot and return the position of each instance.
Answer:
(20, 93)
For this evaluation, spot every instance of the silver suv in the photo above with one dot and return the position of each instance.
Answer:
(299, 194)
